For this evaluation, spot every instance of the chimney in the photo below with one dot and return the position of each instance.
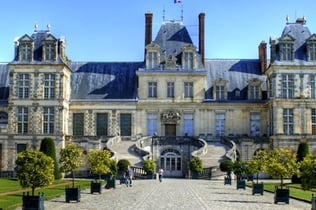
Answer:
(202, 36)
(263, 56)
(148, 28)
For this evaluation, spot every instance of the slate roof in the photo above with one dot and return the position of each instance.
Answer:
(104, 80)
(4, 82)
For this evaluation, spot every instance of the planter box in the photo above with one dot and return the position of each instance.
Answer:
(227, 180)
(313, 201)
(95, 187)
(241, 184)
(195, 175)
(72, 194)
(30, 202)
(150, 175)
(257, 188)
(282, 195)
(110, 183)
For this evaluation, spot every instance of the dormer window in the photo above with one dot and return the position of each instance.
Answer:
(220, 89)
(254, 89)
(287, 48)
(311, 48)
(49, 52)
(188, 57)
(152, 56)
(25, 53)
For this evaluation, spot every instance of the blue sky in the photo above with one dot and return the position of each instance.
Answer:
(112, 30)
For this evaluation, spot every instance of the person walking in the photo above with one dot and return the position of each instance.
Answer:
(160, 174)
(129, 176)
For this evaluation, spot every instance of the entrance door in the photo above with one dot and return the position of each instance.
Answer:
(170, 130)
(170, 161)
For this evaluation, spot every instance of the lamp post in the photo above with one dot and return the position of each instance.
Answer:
(152, 144)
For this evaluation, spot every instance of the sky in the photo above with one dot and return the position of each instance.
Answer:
(112, 30)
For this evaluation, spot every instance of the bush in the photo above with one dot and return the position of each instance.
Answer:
(48, 148)
(196, 165)
(149, 166)
(123, 165)
(226, 166)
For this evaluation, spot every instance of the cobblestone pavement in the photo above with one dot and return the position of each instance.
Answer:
(174, 194)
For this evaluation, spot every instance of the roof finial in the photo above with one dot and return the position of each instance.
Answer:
(35, 27)
(182, 13)
(48, 26)
(287, 19)
(163, 14)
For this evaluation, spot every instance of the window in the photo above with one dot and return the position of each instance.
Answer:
(126, 124)
(25, 52)
(50, 53)
(287, 86)
(152, 90)
(220, 92)
(313, 121)
(254, 92)
(22, 120)
(286, 51)
(152, 60)
(254, 124)
(3, 118)
(48, 120)
(288, 121)
(151, 124)
(20, 148)
(102, 124)
(23, 85)
(188, 60)
(220, 125)
(78, 124)
(188, 123)
(188, 90)
(49, 86)
(170, 89)
(311, 50)
(313, 86)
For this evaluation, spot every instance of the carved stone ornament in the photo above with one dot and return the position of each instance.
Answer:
(171, 117)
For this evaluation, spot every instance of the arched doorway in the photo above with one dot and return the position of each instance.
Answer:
(171, 162)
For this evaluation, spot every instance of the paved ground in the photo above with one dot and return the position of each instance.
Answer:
(175, 194)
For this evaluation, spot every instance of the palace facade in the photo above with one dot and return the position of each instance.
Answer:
(176, 91)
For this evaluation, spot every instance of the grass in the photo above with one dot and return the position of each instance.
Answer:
(296, 190)
(12, 201)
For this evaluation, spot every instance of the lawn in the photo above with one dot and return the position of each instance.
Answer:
(12, 201)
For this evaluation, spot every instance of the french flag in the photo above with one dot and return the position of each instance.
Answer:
(177, 1)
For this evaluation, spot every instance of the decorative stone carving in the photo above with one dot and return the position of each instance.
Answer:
(171, 116)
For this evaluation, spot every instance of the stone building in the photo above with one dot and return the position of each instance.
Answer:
(176, 91)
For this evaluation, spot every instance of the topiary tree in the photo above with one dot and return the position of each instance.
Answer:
(149, 166)
(35, 169)
(70, 160)
(308, 172)
(302, 152)
(48, 148)
(226, 166)
(281, 163)
(122, 165)
(239, 168)
(256, 164)
(99, 162)
(196, 165)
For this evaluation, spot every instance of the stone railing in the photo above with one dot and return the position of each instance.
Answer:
(202, 150)
(109, 145)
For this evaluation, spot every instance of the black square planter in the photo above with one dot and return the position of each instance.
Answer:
(72, 194)
(95, 187)
(227, 180)
(241, 184)
(282, 195)
(110, 183)
(257, 188)
(30, 202)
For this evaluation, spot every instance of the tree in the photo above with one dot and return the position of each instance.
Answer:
(35, 169)
(239, 168)
(226, 166)
(281, 163)
(302, 152)
(123, 165)
(99, 162)
(308, 172)
(149, 165)
(256, 164)
(48, 148)
(196, 165)
(70, 160)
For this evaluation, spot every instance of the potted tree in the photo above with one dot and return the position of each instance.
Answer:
(256, 166)
(227, 166)
(111, 175)
(196, 166)
(149, 167)
(70, 160)
(239, 168)
(122, 166)
(99, 162)
(308, 173)
(281, 163)
(35, 169)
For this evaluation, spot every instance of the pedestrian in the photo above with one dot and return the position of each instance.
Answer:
(160, 174)
(128, 176)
